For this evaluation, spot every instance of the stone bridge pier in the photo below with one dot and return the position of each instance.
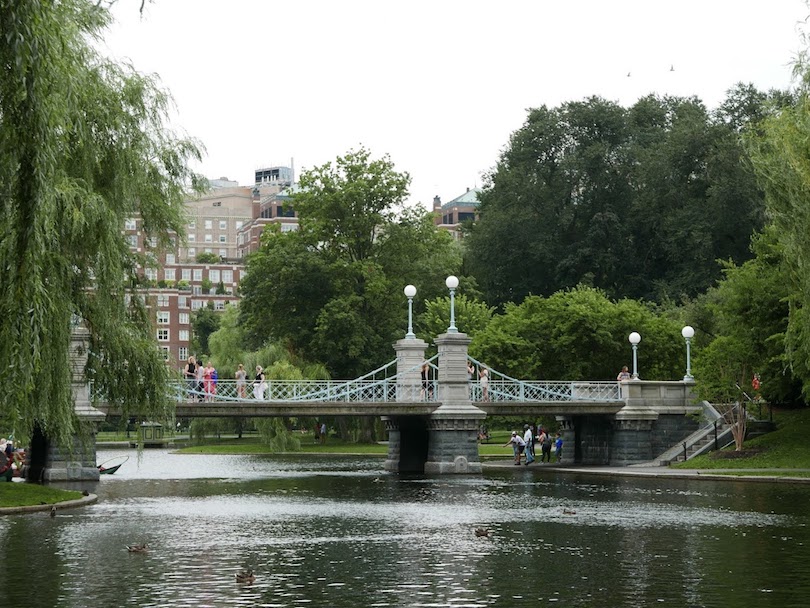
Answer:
(46, 461)
(446, 441)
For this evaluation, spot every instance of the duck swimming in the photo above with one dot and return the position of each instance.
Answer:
(139, 548)
(246, 576)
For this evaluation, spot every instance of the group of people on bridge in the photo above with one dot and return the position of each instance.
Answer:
(524, 445)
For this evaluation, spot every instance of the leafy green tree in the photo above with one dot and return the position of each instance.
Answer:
(84, 145)
(779, 149)
(471, 316)
(639, 202)
(332, 291)
(206, 257)
(749, 309)
(204, 322)
(579, 334)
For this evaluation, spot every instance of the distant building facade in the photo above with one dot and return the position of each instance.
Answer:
(451, 215)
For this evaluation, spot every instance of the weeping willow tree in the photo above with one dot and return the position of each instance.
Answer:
(780, 151)
(83, 146)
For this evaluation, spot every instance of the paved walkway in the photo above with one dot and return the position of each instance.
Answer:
(649, 470)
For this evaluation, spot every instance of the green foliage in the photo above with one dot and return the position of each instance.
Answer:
(332, 291)
(84, 145)
(780, 149)
(579, 334)
(639, 202)
(206, 285)
(472, 316)
(204, 322)
(206, 257)
(749, 309)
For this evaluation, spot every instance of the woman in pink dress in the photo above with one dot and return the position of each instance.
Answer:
(208, 381)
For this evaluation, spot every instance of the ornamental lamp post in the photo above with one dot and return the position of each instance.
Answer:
(688, 332)
(410, 292)
(452, 283)
(635, 338)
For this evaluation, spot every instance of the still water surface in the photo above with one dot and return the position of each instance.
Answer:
(340, 532)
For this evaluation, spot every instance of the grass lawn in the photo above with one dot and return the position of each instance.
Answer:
(17, 494)
(785, 448)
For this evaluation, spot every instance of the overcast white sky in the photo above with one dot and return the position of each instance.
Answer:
(438, 85)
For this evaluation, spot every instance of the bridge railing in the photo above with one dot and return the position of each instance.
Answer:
(506, 388)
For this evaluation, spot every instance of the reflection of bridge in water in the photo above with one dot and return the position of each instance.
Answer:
(433, 424)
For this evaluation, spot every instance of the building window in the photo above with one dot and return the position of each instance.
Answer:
(192, 225)
(223, 224)
(223, 253)
(182, 318)
(163, 335)
(218, 204)
(213, 276)
(183, 353)
(222, 238)
(198, 274)
(227, 276)
(163, 317)
(183, 335)
(182, 302)
(192, 237)
(196, 304)
(209, 238)
(239, 224)
(219, 305)
(130, 224)
(150, 273)
(132, 239)
(165, 350)
(163, 299)
(209, 224)
(196, 290)
(192, 252)
(170, 258)
(186, 274)
(169, 274)
(209, 250)
(152, 240)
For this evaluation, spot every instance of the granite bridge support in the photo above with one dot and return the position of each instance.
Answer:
(445, 441)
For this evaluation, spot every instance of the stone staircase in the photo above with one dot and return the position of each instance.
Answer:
(714, 435)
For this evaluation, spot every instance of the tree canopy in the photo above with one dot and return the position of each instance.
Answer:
(332, 291)
(84, 145)
(637, 201)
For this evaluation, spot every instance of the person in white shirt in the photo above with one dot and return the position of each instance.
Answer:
(518, 445)
(528, 441)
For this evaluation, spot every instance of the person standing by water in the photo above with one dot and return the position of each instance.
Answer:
(624, 374)
(483, 376)
(545, 456)
(323, 433)
(241, 375)
(558, 443)
(190, 374)
(259, 385)
(427, 389)
(200, 380)
(528, 439)
(518, 445)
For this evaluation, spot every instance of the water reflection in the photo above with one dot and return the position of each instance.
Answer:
(341, 532)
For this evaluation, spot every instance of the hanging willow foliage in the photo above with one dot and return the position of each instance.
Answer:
(83, 146)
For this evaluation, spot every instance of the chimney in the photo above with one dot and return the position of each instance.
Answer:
(437, 203)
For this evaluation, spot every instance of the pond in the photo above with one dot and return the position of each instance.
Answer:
(341, 532)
